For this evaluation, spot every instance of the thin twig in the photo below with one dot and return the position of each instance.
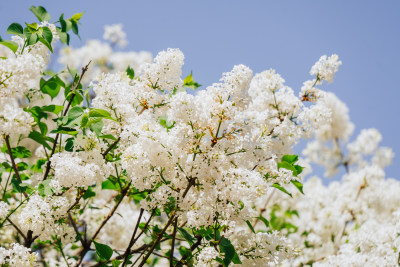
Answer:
(73, 88)
(132, 238)
(111, 147)
(16, 228)
(171, 256)
(14, 166)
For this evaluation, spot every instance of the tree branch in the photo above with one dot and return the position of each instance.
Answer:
(14, 166)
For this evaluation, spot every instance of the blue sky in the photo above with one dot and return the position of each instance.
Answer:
(288, 36)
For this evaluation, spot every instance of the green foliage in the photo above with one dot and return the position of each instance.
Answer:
(17, 152)
(10, 44)
(278, 186)
(41, 13)
(188, 82)
(188, 237)
(103, 251)
(164, 122)
(230, 255)
(15, 28)
(130, 72)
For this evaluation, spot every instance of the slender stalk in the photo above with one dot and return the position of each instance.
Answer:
(111, 147)
(171, 256)
(16, 228)
(160, 235)
(14, 166)
(88, 243)
(73, 88)
(132, 238)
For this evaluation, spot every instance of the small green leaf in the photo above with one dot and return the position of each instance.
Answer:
(290, 158)
(16, 29)
(278, 186)
(107, 184)
(186, 235)
(38, 137)
(64, 37)
(20, 152)
(100, 113)
(229, 252)
(103, 251)
(89, 193)
(76, 17)
(46, 43)
(10, 44)
(265, 221)
(75, 113)
(53, 109)
(298, 185)
(41, 13)
(130, 72)
(250, 226)
(50, 88)
(190, 83)
(164, 122)
(287, 166)
(47, 34)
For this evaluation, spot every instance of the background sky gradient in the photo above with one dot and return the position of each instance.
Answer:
(288, 36)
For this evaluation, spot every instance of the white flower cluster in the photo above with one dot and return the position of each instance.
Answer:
(4, 208)
(42, 216)
(326, 67)
(83, 167)
(17, 256)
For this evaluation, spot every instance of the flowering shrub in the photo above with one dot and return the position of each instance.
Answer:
(115, 161)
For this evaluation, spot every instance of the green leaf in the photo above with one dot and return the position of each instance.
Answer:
(46, 43)
(250, 226)
(103, 251)
(290, 158)
(190, 83)
(130, 72)
(89, 193)
(10, 44)
(97, 126)
(186, 235)
(165, 123)
(278, 186)
(287, 166)
(44, 188)
(41, 13)
(229, 252)
(17, 185)
(53, 109)
(299, 169)
(116, 263)
(65, 130)
(33, 38)
(39, 138)
(298, 185)
(16, 29)
(64, 37)
(20, 152)
(33, 27)
(74, 27)
(77, 16)
(107, 184)
(47, 34)
(84, 120)
(99, 113)
(265, 221)
(50, 87)
(75, 113)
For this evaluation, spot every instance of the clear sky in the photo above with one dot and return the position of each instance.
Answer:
(288, 36)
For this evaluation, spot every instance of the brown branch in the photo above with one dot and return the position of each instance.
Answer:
(171, 256)
(111, 147)
(76, 229)
(16, 228)
(132, 239)
(74, 86)
(87, 247)
(192, 248)
(14, 166)
(160, 235)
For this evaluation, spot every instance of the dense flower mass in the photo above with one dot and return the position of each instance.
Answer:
(114, 162)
